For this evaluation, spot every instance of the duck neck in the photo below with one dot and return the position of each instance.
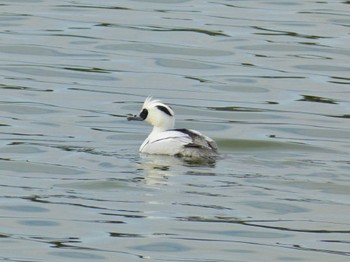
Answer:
(157, 129)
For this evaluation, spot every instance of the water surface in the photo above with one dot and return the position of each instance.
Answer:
(268, 80)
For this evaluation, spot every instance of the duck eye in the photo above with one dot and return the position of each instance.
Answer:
(144, 114)
(165, 110)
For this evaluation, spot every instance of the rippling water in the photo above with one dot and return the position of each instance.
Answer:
(268, 80)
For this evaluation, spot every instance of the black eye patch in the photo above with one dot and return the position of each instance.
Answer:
(144, 114)
(165, 110)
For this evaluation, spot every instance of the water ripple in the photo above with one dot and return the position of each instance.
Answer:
(268, 80)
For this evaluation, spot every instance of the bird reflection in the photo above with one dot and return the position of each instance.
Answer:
(159, 168)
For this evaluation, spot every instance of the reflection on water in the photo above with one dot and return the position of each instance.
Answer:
(267, 79)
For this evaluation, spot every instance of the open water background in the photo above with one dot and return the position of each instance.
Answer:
(268, 80)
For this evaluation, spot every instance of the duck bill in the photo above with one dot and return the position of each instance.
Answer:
(135, 118)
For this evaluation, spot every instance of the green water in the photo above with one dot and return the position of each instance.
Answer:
(268, 80)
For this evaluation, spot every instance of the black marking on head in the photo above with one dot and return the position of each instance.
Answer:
(144, 114)
(165, 110)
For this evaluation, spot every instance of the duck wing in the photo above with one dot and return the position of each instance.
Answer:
(199, 140)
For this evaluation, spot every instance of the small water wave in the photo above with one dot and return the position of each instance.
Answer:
(264, 79)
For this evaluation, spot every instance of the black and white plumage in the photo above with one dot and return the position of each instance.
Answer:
(165, 140)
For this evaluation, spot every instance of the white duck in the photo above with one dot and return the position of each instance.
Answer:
(165, 140)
